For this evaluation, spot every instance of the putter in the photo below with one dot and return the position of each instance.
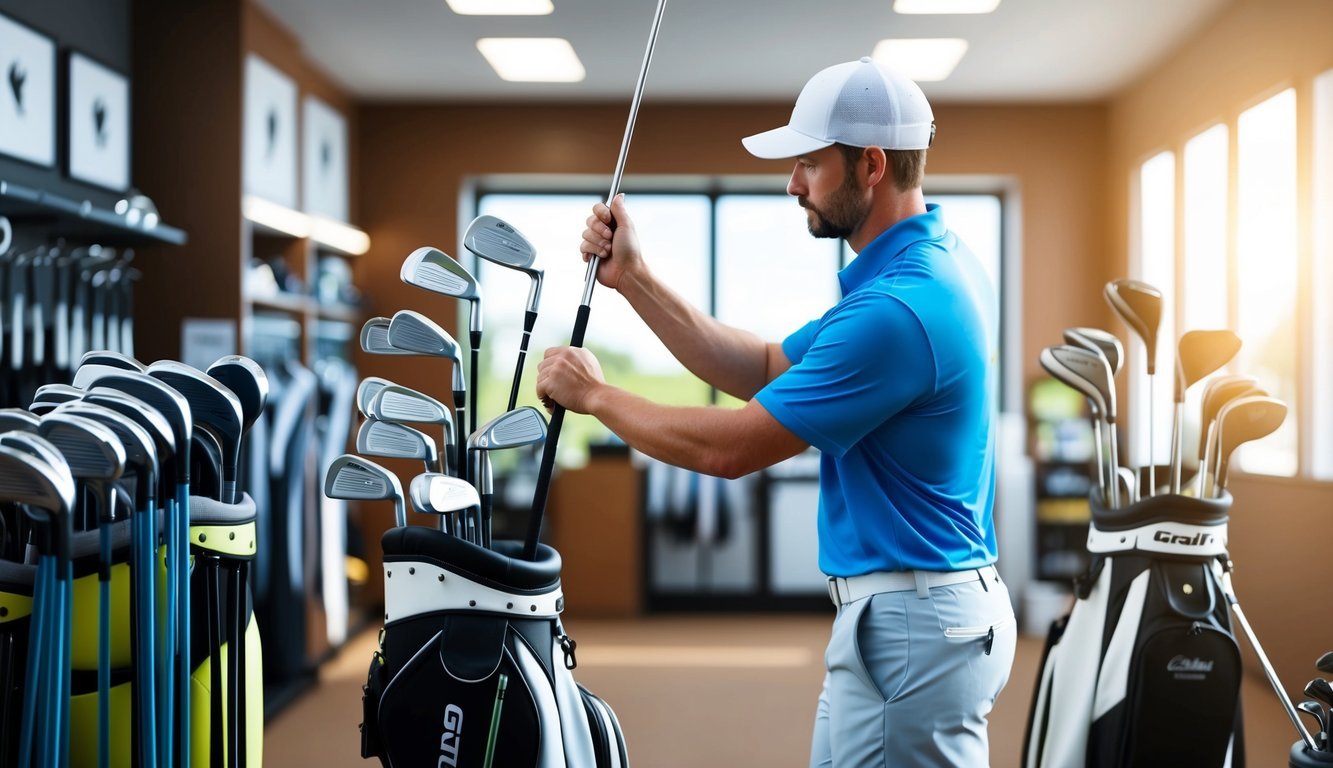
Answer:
(356, 479)
(1240, 421)
(1200, 353)
(1217, 393)
(498, 242)
(436, 271)
(437, 494)
(547, 469)
(419, 334)
(375, 338)
(386, 439)
(513, 429)
(401, 404)
(1089, 374)
(1139, 306)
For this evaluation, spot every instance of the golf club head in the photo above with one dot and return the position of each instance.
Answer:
(1316, 711)
(90, 449)
(1217, 393)
(1318, 688)
(247, 380)
(436, 271)
(57, 393)
(1200, 353)
(1087, 372)
(168, 402)
(367, 390)
(29, 481)
(1097, 340)
(434, 493)
(499, 242)
(388, 440)
(512, 429)
(353, 478)
(1325, 663)
(420, 335)
(18, 418)
(111, 359)
(213, 406)
(139, 448)
(400, 404)
(1139, 305)
(1241, 421)
(149, 418)
(34, 444)
(375, 338)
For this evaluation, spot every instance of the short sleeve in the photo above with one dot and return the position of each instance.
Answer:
(865, 361)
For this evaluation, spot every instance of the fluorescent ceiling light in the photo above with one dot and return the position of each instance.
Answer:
(501, 7)
(532, 59)
(921, 59)
(944, 6)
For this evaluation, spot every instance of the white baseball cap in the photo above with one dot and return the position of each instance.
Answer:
(861, 104)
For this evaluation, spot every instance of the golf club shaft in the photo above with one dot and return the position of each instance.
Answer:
(581, 318)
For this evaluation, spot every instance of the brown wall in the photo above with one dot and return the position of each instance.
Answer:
(415, 159)
(1253, 49)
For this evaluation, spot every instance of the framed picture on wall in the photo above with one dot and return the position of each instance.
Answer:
(324, 160)
(28, 94)
(99, 124)
(269, 137)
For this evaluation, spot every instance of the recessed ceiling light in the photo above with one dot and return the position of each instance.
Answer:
(532, 59)
(921, 59)
(501, 7)
(944, 6)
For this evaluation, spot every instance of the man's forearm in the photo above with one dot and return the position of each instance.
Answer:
(735, 361)
(725, 442)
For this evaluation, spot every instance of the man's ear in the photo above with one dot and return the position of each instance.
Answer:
(877, 164)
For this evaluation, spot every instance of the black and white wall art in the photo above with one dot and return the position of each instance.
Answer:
(324, 165)
(28, 94)
(270, 133)
(99, 124)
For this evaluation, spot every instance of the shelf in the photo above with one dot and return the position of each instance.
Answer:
(345, 312)
(79, 220)
(298, 304)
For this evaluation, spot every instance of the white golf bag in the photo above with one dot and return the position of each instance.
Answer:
(1145, 670)
(474, 667)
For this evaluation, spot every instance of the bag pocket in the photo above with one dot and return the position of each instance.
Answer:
(608, 741)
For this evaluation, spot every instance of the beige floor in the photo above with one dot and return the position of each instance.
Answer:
(703, 692)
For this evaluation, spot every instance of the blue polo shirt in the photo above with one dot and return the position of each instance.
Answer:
(896, 386)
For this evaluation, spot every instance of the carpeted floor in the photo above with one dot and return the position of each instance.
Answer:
(705, 692)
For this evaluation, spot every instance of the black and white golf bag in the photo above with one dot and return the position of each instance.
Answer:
(1145, 670)
(474, 667)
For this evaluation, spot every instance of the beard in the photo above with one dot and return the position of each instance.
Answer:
(840, 216)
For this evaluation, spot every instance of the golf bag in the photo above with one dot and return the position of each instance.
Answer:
(474, 667)
(1144, 670)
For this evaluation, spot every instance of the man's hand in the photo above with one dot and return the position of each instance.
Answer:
(619, 250)
(568, 376)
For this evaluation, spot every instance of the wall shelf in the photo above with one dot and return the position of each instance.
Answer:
(79, 220)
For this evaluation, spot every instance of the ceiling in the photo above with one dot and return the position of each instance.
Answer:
(751, 50)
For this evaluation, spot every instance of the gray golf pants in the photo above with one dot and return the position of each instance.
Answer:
(913, 673)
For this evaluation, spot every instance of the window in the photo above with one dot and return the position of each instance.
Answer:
(1205, 293)
(760, 271)
(1321, 349)
(1150, 438)
(1267, 271)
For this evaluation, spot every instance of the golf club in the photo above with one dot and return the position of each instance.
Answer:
(401, 404)
(1090, 374)
(513, 429)
(17, 418)
(547, 469)
(436, 271)
(420, 335)
(214, 407)
(1139, 306)
(356, 479)
(375, 338)
(1325, 663)
(498, 242)
(1199, 353)
(1240, 421)
(385, 439)
(1317, 712)
(437, 494)
(1217, 393)
(367, 389)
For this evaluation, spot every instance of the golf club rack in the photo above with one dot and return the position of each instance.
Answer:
(474, 667)
(1145, 668)
(126, 631)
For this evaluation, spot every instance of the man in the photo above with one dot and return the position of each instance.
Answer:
(895, 385)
